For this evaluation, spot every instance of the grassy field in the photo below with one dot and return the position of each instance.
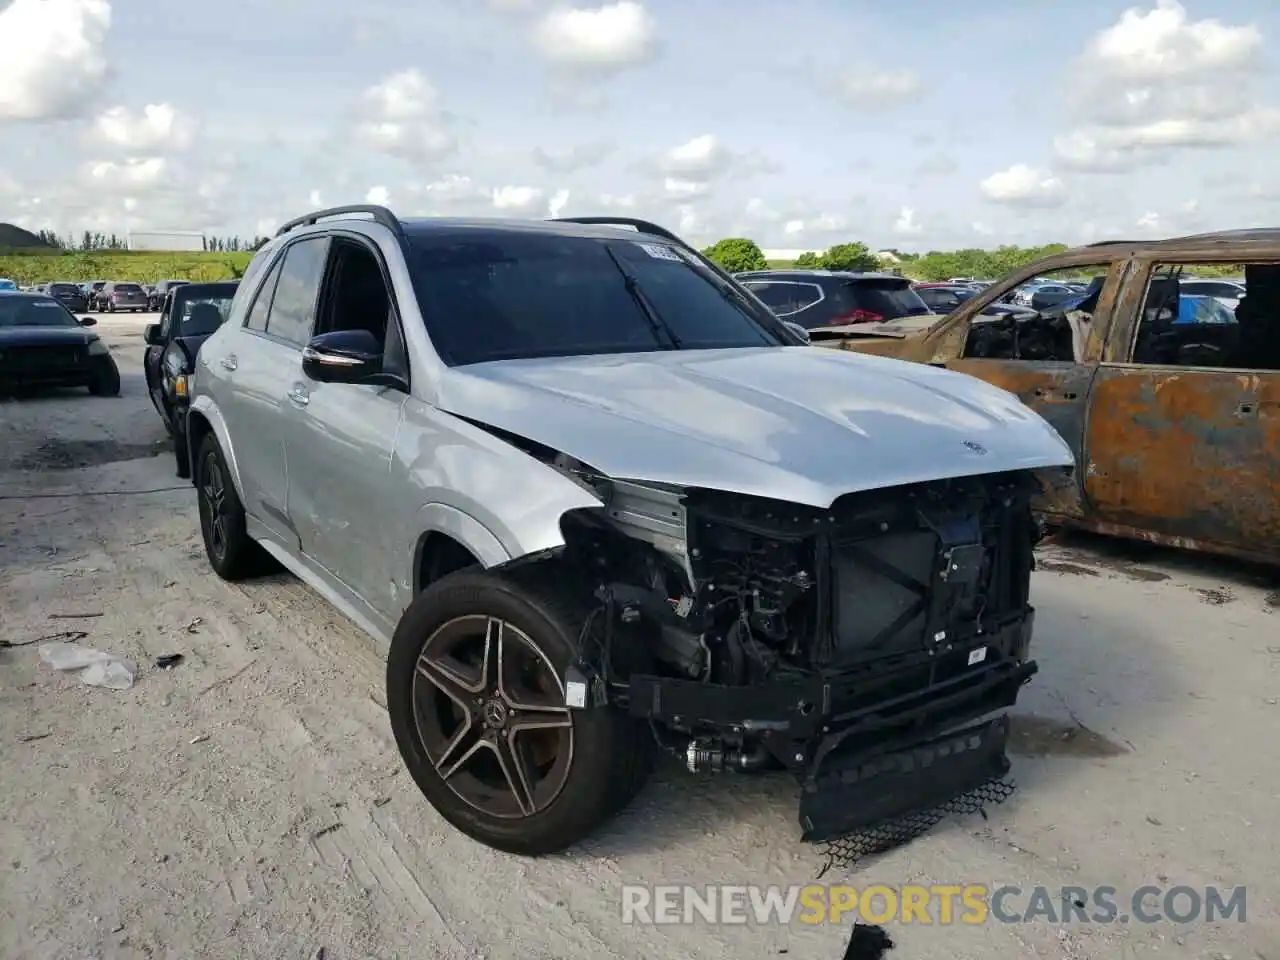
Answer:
(140, 266)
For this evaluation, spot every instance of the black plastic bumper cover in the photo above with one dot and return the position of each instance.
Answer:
(848, 795)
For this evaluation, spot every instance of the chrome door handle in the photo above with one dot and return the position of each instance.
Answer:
(299, 395)
(229, 363)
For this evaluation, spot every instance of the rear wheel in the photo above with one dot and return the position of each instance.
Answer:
(232, 553)
(477, 701)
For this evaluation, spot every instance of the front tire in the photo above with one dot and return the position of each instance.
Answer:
(477, 705)
(233, 555)
(106, 383)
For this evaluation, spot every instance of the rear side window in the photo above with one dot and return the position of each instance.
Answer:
(293, 307)
(257, 319)
(785, 296)
(886, 299)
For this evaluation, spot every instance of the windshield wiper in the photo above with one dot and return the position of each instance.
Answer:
(659, 326)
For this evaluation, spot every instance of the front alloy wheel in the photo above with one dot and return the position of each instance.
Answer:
(478, 708)
(489, 709)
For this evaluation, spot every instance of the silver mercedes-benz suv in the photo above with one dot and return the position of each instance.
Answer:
(597, 502)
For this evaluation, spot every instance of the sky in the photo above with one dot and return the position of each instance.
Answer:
(917, 125)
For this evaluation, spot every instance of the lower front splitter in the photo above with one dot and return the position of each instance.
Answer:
(862, 806)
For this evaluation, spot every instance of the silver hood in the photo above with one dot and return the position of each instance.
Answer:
(800, 424)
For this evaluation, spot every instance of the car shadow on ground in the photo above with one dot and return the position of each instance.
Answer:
(1050, 735)
(1141, 560)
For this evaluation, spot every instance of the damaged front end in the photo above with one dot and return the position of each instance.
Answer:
(871, 648)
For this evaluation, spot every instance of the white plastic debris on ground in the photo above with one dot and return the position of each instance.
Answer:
(99, 669)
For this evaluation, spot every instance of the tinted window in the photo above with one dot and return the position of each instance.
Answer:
(34, 312)
(64, 289)
(491, 296)
(783, 297)
(888, 299)
(293, 308)
(257, 319)
(127, 288)
(203, 315)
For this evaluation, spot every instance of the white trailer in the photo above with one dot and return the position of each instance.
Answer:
(165, 240)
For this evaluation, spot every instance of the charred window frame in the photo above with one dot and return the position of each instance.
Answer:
(1210, 346)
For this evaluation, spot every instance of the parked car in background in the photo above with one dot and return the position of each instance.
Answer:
(597, 500)
(189, 315)
(1228, 292)
(7, 284)
(69, 295)
(43, 344)
(944, 297)
(817, 298)
(156, 295)
(1168, 400)
(120, 295)
(96, 302)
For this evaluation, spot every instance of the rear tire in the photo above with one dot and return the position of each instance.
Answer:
(600, 757)
(233, 555)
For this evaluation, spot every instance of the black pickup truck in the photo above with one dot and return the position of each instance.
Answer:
(189, 314)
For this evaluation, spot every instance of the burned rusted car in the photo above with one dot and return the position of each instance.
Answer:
(1169, 398)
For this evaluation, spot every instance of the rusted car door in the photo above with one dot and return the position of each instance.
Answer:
(1191, 454)
(1059, 392)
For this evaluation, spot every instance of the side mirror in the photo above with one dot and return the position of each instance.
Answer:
(151, 335)
(343, 356)
(87, 321)
(798, 330)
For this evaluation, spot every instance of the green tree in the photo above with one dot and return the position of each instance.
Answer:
(808, 260)
(736, 254)
(849, 256)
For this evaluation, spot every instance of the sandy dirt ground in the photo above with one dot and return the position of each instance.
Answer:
(249, 803)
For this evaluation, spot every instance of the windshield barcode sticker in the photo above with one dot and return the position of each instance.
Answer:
(660, 251)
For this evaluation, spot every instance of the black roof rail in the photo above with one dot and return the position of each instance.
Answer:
(379, 214)
(644, 226)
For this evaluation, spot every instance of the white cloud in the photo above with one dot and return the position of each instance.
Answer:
(517, 200)
(1162, 43)
(866, 87)
(314, 200)
(401, 117)
(379, 195)
(698, 160)
(159, 127)
(133, 175)
(602, 39)
(1157, 82)
(559, 200)
(1024, 186)
(54, 57)
(906, 225)
(684, 189)
(575, 158)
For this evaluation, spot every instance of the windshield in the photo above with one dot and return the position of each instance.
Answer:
(203, 315)
(497, 296)
(34, 312)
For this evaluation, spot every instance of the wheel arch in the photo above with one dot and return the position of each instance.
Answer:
(203, 418)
